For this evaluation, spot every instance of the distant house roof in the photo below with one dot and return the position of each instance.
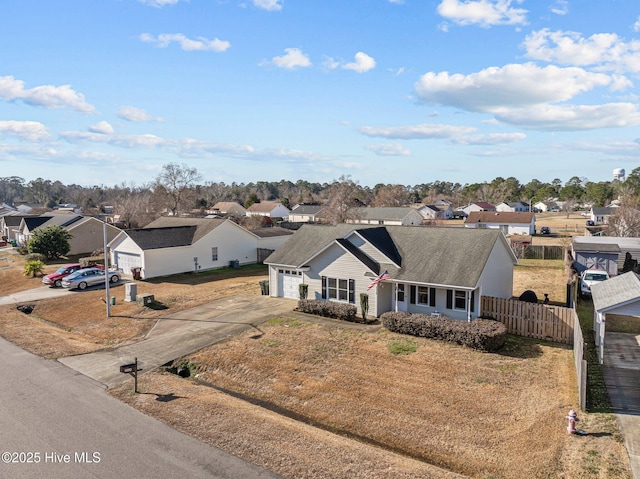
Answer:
(383, 213)
(415, 253)
(484, 205)
(271, 232)
(596, 247)
(202, 226)
(304, 209)
(264, 206)
(503, 217)
(224, 206)
(604, 210)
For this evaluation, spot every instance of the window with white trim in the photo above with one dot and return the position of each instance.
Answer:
(214, 253)
(423, 295)
(460, 300)
(338, 289)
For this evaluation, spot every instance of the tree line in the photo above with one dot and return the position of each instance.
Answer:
(180, 189)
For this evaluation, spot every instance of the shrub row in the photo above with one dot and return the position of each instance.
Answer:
(328, 309)
(481, 334)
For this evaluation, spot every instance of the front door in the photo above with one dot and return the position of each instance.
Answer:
(401, 297)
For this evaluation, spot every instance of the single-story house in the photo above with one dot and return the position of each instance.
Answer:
(304, 213)
(513, 207)
(10, 224)
(272, 209)
(171, 245)
(87, 232)
(508, 223)
(230, 208)
(543, 206)
(430, 270)
(601, 214)
(435, 212)
(619, 296)
(602, 251)
(478, 206)
(386, 216)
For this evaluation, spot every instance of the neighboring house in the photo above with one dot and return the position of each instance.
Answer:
(443, 202)
(428, 273)
(478, 206)
(512, 207)
(27, 208)
(435, 212)
(171, 245)
(600, 251)
(600, 214)
(618, 296)
(272, 209)
(386, 216)
(508, 223)
(544, 206)
(304, 213)
(87, 232)
(230, 208)
(10, 224)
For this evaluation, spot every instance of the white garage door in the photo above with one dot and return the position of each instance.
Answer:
(288, 282)
(126, 261)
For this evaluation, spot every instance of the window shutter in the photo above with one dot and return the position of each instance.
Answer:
(473, 301)
(432, 297)
(352, 291)
(324, 287)
(449, 299)
(412, 295)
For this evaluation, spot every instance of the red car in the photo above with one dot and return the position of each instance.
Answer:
(55, 279)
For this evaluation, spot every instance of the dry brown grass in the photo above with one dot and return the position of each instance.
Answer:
(476, 414)
(541, 276)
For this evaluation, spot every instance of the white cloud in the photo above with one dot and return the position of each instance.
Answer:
(572, 117)
(560, 8)
(363, 63)
(47, 96)
(636, 25)
(490, 139)
(397, 2)
(571, 48)
(292, 59)
(159, 3)
(102, 127)
(24, 130)
(484, 13)
(131, 113)
(330, 63)
(271, 5)
(393, 149)
(514, 85)
(201, 44)
(425, 131)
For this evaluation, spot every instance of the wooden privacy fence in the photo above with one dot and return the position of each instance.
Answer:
(580, 362)
(540, 252)
(531, 320)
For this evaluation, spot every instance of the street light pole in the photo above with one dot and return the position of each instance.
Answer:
(106, 268)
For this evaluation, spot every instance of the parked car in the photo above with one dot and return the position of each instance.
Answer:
(590, 277)
(590, 223)
(545, 230)
(55, 279)
(88, 277)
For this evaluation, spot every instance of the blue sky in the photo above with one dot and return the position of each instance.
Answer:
(386, 91)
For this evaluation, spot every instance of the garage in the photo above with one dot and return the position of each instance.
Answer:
(126, 261)
(288, 282)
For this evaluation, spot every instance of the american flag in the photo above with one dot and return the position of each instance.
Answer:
(384, 276)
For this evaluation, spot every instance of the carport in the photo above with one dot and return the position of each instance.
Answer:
(620, 296)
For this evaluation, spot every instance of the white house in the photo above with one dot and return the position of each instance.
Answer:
(172, 245)
(508, 223)
(512, 207)
(273, 209)
(304, 213)
(229, 208)
(404, 215)
(478, 206)
(426, 271)
(600, 214)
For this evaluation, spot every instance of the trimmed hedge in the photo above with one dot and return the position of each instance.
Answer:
(482, 334)
(328, 309)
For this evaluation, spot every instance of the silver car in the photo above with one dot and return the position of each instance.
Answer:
(88, 277)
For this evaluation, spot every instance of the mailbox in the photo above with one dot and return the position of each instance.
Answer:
(128, 368)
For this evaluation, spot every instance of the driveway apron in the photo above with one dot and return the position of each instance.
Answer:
(621, 370)
(180, 334)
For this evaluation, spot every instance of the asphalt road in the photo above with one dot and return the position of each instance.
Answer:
(57, 423)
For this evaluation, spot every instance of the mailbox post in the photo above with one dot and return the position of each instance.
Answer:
(132, 369)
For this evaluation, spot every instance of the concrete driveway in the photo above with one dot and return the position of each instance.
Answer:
(621, 370)
(180, 334)
(46, 292)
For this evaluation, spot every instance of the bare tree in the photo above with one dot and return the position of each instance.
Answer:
(343, 197)
(625, 223)
(175, 187)
(391, 195)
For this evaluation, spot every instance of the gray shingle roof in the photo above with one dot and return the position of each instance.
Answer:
(271, 232)
(616, 291)
(442, 256)
(306, 209)
(203, 225)
(168, 237)
(597, 247)
(383, 213)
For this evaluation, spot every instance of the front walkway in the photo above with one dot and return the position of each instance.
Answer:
(621, 370)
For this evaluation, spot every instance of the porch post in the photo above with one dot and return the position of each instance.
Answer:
(468, 297)
(395, 285)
